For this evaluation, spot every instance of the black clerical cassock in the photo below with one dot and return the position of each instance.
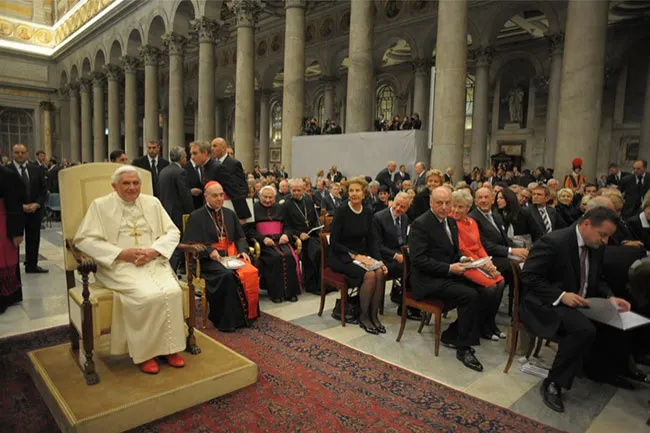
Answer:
(232, 295)
(300, 217)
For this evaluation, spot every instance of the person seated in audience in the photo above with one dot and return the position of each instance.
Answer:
(233, 294)
(583, 203)
(469, 245)
(384, 197)
(332, 199)
(406, 185)
(403, 174)
(395, 124)
(390, 226)
(279, 264)
(634, 188)
(564, 268)
(283, 191)
(352, 245)
(389, 177)
(436, 271)
(319, 195)
(416, 123)
(300, 220)
(411, 193)
(493, 232)
(132, 238)
(372, 196)
(539, 219)
(565, 206)
(420, 177)
(507, 206)
(334, 175)
(640, 224)
(119, 157)
(380, 123)
(421, 201)
(406, 124)
(524, 197)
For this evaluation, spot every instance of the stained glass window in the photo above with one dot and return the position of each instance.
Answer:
(276, 122)
(385, 98)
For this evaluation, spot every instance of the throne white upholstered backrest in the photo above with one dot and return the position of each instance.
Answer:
(79, 186)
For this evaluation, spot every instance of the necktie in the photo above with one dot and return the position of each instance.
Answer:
(583, 271)
(491, 218)
(154, 169)
(25, 178)
(639, 184)
(448, 230)
(398, 227)
(199, 170)
(217, 162)
(545, 220)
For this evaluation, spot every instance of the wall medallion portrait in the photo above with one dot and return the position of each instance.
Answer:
(276, 155)
(6, 29)
(630, 148)
(24, 32)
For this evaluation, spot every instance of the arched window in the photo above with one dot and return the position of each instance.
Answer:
(385, 98)
(469, 101)
(16, 126)
(320, 111)
(276, 122)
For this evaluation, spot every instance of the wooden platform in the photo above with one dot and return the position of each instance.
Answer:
(126, 398)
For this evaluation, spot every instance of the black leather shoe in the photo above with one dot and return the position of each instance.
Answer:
(552, 395)
(468, 359)
(293, 299)
(36, 270)
(368, 329)
(276, 300)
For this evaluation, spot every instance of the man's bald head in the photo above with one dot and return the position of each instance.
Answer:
(219, 147)
(440, 201)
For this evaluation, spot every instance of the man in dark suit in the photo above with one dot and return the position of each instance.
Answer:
(436, 271)
(615, 174)
(33, 178)
(175, 194)
(153, 162)
(539, 219)
(420, 179)
(332, 199)
(194, 171)
(634, 188)
(319, 195)
(230, 174)
(563, 269)
(389, 177)
(493, 235)
(449, 176)
(403, 174)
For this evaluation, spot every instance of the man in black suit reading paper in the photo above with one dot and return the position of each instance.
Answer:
(564, 268)
(436, 271)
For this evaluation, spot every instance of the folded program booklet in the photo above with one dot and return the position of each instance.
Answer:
(232, 262)
(376, 264)
(605, 311)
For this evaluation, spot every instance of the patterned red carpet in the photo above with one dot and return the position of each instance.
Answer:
(307, 383)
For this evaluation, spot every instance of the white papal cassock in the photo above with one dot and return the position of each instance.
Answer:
(148, 304)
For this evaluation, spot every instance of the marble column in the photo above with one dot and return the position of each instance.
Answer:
(247, 13)
(329, 97)
(175, 45)
(206, 31)
(553, 103)
(151, 57)
(75, 137)
(130, 65)
(361, 80)
(114, 130)
(165, 128)
(451, 76)
(293, 89)
(46, 117)
(265, 127)
(86, 120)
(644, 145)
(478, 154)
(218, 118)
(581, 90)
(422, 69)
(99, 128)
(62, 125)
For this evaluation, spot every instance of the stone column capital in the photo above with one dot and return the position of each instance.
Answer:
(288, 4)
(150, 55)
(130, 64)
(174, 44)
(329, 81)
(86, 84)
(421, 65)
(247, 12)
(207, 30)
(63, 92)
(112, 72)
(46, 106)
(482, 56)
(98, 79)
(73, 90)
(556, 43)
(265, 94)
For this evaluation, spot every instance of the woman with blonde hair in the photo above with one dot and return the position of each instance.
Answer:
(434, 178)
(565, 207)
(354, 253)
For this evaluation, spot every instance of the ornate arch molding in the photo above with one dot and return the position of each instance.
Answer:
(504, 10)
(146, 28)
(388, 79)
(385, 41)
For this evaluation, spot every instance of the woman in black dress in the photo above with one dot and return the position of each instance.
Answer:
(278, 270)
(351, 240)
(420, 205)
(12, 224)
(506, 203)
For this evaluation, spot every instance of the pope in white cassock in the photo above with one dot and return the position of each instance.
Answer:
(131, 238)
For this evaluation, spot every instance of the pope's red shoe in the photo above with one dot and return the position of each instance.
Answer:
(175, 360)
(150, 367)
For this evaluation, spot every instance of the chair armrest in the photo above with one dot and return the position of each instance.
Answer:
(193, 249)
(254, 248)
(297, 243)
(86, 264)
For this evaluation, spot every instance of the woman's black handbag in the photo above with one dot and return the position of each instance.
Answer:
(352, 310)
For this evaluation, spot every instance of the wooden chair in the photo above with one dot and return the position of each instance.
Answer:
(428, 306)
(331, 279)
(517, 325)
(91, 307)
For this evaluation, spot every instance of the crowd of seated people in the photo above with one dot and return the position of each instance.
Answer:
(398, 123)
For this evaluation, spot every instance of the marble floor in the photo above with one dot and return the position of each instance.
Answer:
(591, 407)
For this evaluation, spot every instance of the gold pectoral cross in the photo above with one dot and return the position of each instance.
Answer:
(135, 233)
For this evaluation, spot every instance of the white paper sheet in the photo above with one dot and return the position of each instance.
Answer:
(605, 311)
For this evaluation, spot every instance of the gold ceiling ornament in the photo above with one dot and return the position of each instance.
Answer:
(43, 36)
(24, 32)
(6, 28)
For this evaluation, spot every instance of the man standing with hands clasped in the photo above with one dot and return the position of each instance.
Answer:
(563, 269)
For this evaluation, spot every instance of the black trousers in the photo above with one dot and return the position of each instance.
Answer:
(310, 257)
(32, 237)
(472, 303)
